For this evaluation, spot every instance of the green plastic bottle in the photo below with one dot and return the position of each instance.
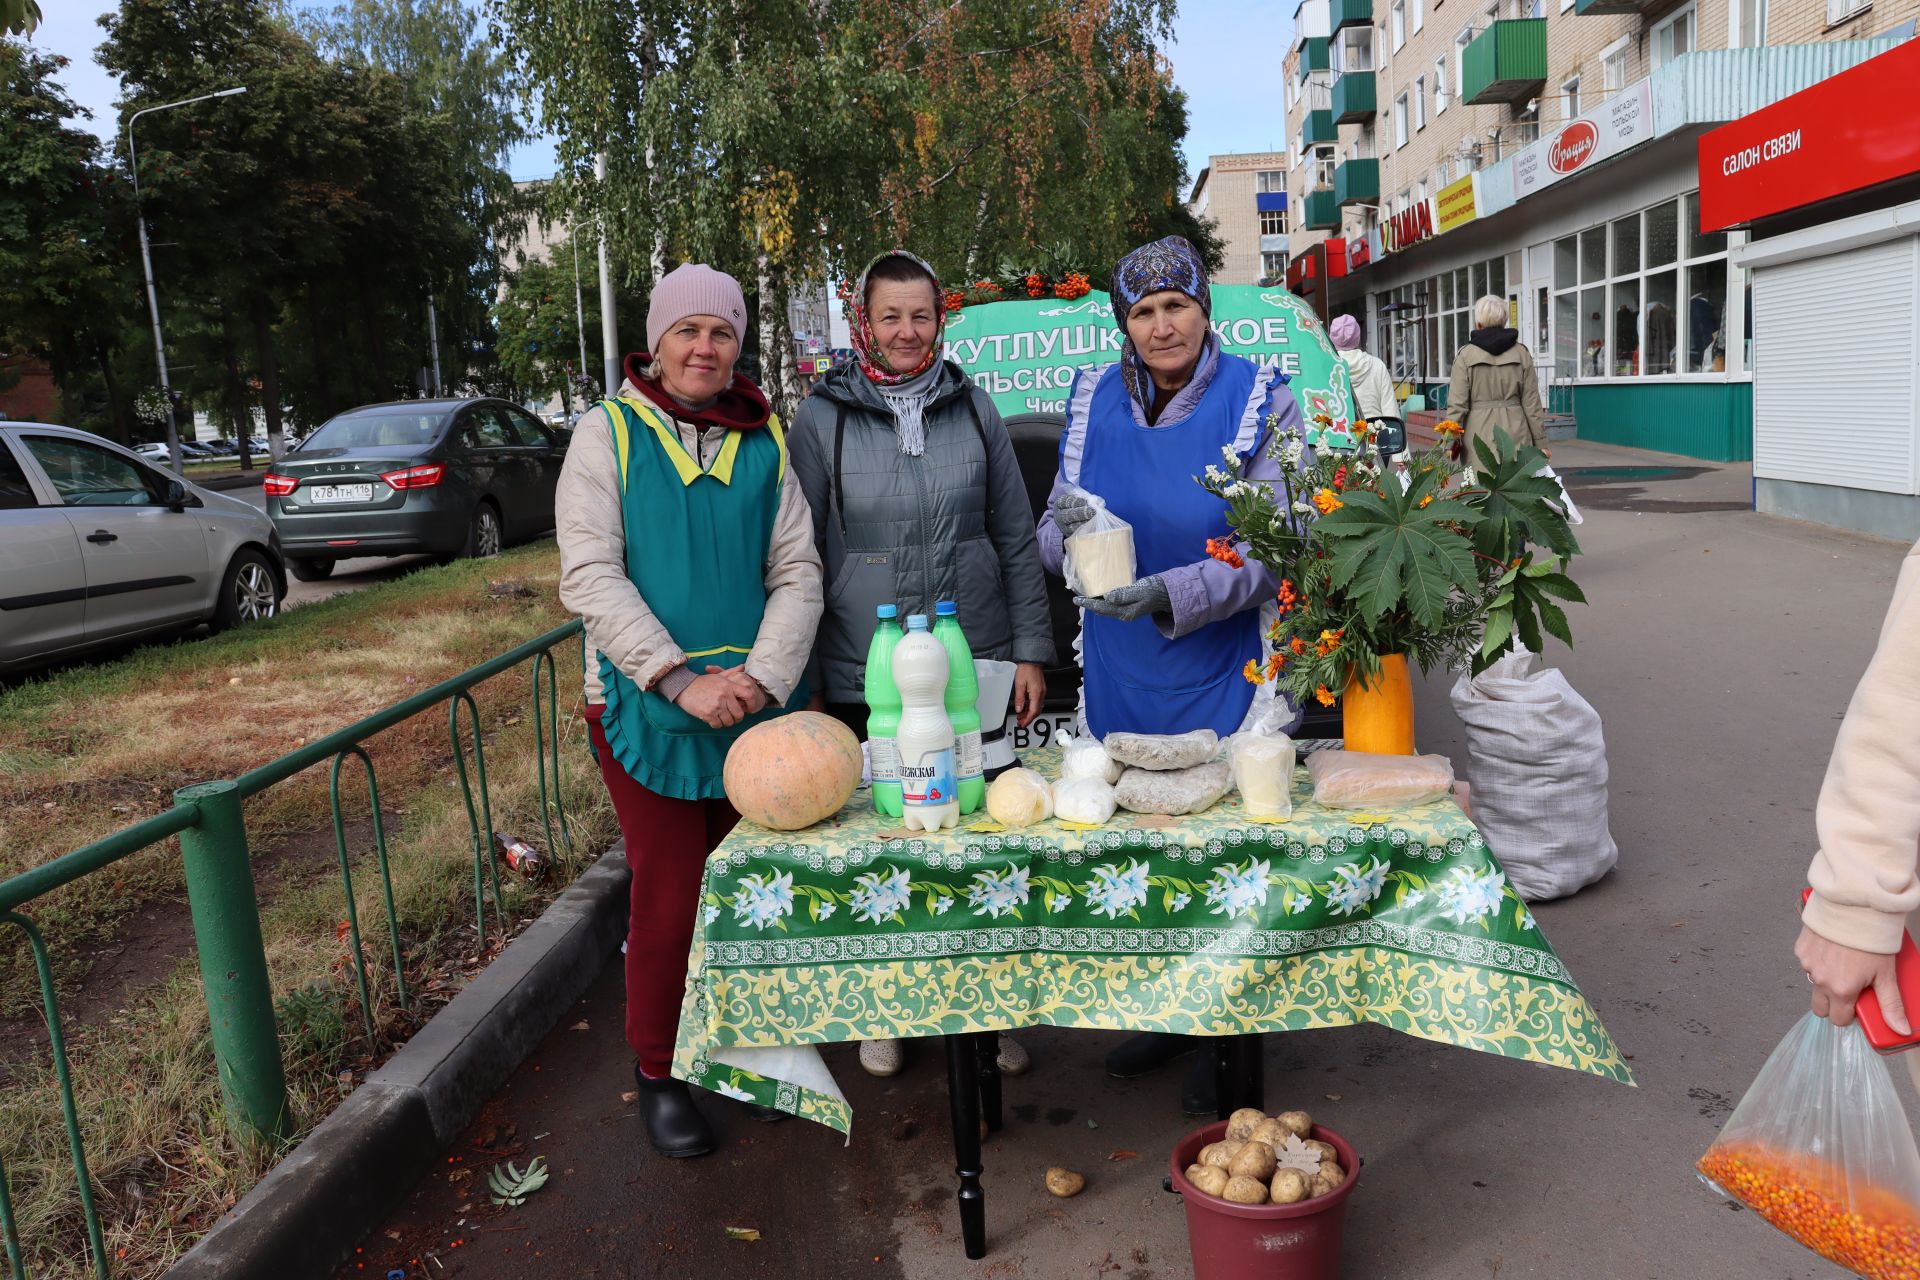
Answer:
(883, 712)
(963, 707)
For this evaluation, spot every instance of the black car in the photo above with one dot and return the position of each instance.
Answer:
(443, 477)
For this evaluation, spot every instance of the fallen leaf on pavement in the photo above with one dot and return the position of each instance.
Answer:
(579, 1026)
(1333, 1097)
(743, 1233)
(1124, 1155)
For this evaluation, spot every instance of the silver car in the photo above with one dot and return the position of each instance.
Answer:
(98, 546)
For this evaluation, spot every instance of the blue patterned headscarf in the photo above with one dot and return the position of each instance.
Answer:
(1172, 263)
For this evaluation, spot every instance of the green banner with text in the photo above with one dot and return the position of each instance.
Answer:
(1024, 354)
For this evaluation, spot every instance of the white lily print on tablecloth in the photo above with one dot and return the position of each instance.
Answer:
(764, 900)
(999, 893)
(877, 895)
(1115, 892)
(1234, 890)
(1356, 887)
(1470, 897)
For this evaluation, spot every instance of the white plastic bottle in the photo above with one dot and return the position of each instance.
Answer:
(930, 796)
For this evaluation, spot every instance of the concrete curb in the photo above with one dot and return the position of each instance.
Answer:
(340, 1183)
(245, 480)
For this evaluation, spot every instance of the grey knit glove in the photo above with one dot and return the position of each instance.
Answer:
(1071, 510)
(1135, 600)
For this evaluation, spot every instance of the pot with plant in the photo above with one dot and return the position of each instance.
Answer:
(1380, 566)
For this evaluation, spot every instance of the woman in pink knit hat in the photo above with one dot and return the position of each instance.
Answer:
(681, 530)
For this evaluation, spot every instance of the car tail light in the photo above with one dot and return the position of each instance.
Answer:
(421, 477)
(278, 486)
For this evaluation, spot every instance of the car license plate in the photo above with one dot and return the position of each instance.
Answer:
(341, 493)
(1043, 732)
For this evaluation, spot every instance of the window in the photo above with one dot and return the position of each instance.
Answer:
(1419, 102)
(1273, 266)
(1841, 10)
(1460, 43)
(1644, 296)
(15, 492)
(1269, 180)
(1419, 14)
(526, 432)
(1323, 165)
(1400, 121)
(1273, 222)
(1747, 24)
(1673, 38)
(1613, 65)
(1397, 23)
(1439, 86)
(1352, 50)
(1570, 98)
(1420, 191)
(87, 475)
(487, 429)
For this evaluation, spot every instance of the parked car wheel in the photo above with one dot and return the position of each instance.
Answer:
(250, 592)
(311, 570)
(483, 535)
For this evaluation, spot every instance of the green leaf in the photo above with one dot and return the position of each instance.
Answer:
(1499, 631)
(1554, 619)
(1391, 553)
(1558, 584)
(510, 1186)
(1515, 504)
(1528, 627)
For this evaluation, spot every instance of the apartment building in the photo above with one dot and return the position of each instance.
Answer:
(1544, 151)
(1246, 195)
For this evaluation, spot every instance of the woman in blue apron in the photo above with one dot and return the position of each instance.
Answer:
(1165, 653)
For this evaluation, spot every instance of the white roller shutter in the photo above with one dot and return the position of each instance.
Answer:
(1834, 368)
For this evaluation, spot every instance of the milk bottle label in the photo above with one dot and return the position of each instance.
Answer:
(929, 781)
(883, 758)
(971, 762)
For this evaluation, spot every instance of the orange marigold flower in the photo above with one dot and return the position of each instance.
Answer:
(1424, 501)
(1298, 646)
(1253, 673)
(1222, 550)
(1324, 696)
(1327, 502)
(1447, 428)
(1275, 664)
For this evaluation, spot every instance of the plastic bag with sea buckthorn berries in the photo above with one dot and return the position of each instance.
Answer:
(1821, 1149)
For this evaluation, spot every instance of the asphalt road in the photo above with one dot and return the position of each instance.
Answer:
(348, 575)
(1720, 647)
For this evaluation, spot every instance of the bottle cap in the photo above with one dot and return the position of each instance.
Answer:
(917, 622)
(887, 611)
(946, 608)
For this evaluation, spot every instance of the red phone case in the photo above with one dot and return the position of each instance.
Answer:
(1906, 974)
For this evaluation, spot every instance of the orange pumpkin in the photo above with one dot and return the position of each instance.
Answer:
(793, 771)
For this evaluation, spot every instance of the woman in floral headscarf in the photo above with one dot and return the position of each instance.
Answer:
(917, 498)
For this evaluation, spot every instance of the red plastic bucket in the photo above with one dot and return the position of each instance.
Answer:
(1263, 1241)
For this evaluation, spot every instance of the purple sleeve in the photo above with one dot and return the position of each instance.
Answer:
(1207, 591)
(1053, 553)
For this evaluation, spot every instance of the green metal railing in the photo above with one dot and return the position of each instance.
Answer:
(218, 867)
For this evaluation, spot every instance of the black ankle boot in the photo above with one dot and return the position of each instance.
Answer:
(1147, 1052)
(674, 1124)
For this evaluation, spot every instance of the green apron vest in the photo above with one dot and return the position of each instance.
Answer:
(697, 551)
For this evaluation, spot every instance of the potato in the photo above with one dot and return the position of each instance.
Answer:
(1245, 1191)
(1219, 1154)
(1254, 1160)
(1192, 1169)
(1299, 1121)
(1065, 1182)
(1241, 1124)
(1211, 1180)
(1290, 1186)
(1271, 1132)
(1326, 1149)
(1332, 1172)
(1322, 1186)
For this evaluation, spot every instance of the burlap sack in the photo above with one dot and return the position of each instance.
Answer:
(1538, 764)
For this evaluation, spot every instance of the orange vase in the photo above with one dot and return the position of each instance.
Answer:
(1378, 718)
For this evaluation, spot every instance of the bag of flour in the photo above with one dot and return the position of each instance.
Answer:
(1538, 764)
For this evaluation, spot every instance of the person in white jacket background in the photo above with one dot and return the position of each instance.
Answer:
(1372, 385)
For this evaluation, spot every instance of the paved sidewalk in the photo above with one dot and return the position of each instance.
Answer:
(1720, 647)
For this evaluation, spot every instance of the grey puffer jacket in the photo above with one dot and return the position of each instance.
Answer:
(952, 524)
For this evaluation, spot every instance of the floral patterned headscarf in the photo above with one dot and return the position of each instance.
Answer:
(873, 361)
(1172, 263)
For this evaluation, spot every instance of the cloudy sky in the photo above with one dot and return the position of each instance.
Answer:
(1227, 56)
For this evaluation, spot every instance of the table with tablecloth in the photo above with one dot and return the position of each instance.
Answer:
(1213, 924)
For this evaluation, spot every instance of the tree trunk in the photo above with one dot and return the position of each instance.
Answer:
(778, 369)
(973, 241)
(122, 428)
(239, 417)
(269, 366)
(322, 356)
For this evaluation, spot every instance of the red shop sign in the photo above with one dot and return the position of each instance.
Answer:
(1570, 150)
(1842, 134)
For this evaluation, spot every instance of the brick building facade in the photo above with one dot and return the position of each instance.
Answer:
(1246, 196)
(1542, 151)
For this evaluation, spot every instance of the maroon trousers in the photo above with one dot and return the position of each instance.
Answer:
(667, 846)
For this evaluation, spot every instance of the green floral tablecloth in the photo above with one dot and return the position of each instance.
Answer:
(1213, 924)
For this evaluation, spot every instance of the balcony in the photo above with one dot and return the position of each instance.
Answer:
(1323, 210)
(1357, 182)
(1353, 98)
(1319, 128)
(1352, 13)
(1315, 55)
(1506, 63)
(1599, 8)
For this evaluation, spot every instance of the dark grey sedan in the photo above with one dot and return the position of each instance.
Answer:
(442, 477)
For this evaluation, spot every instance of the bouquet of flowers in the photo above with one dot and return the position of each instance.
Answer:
(1450, 568)
(150, 406)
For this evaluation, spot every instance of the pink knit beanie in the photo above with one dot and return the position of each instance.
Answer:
(694, 289)
(1346, 333)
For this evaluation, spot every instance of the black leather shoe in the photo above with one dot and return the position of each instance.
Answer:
(1200, 1095)
(1146, 1053)
(674, 1124)
(766, 1115)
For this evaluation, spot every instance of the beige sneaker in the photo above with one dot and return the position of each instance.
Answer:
(1013, 1059)
(882, 1057)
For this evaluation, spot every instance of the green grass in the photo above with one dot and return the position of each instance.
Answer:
(125, 734)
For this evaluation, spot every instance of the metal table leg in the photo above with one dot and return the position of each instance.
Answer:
(963, 1098)
(986, 1050)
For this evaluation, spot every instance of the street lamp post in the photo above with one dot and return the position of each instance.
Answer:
(609, 333)
(146, 264)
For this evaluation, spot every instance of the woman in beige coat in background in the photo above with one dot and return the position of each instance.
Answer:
(1494, 384)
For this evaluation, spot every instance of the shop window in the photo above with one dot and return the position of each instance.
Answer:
(1497, 277)
(1566, 336)
(1566, 263)
(1593, 254)
(1646, 295)
(1663, 234)
(1626, 246)
(1699, 244)
(1705, 316)
(1661, 323)
(1674, 37)
(1540, 314)
(1593, 333)
(1624, 318)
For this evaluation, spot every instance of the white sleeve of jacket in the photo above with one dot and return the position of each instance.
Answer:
(794, 599)
(594, 584)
